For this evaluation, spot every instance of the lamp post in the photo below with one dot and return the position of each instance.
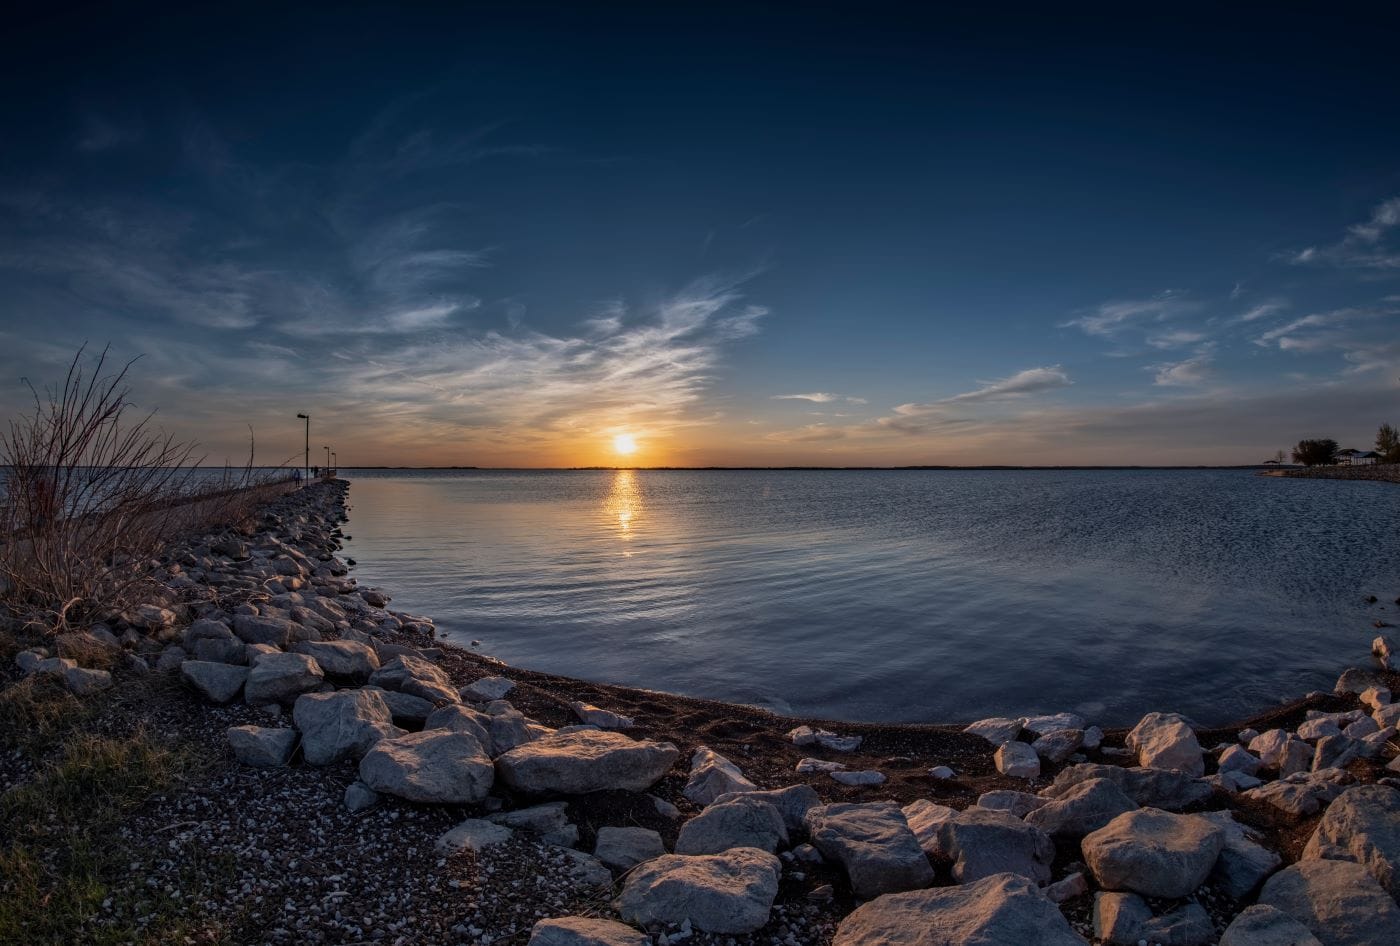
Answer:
(328, 458)
(334, 462)
(307, 418)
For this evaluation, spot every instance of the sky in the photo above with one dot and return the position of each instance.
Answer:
(741, 234)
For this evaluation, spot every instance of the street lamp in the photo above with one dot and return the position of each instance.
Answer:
(328, 458)
(307, 418)
(334, 462)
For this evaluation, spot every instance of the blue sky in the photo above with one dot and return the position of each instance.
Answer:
(834, 234)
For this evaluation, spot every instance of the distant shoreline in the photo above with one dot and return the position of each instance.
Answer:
(838, 469)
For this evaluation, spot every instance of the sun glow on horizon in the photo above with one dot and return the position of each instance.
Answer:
(625, 444)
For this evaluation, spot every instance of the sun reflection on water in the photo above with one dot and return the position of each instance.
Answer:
(624, 504)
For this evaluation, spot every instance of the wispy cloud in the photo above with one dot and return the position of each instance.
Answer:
(819, 397)
(1189, 372)
(1110, 318)
(1175, 339)
(1020, 384)
(810, 433)
(1363, 246)
(1262, 310)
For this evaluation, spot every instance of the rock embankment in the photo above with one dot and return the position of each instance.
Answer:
(1038, 831)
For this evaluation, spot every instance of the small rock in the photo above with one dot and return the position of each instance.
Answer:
(622, 848)
(712, 775)
(1166, 741)
(863, 779)
(359, 796)
(1071, 886)
(585, 931)
(1018, 760)
(473, 834)
(261, 746)
(996, 730)
(82, 681)
(603, 719)
(217, 682)
(486, 689)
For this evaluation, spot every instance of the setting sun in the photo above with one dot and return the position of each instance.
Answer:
(625, 444)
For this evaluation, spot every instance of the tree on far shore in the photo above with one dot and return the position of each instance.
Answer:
(1315, 452)
(1388, 444)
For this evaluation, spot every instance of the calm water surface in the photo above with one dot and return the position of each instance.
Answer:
(893, 595)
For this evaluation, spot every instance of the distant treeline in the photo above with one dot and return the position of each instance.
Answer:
(1324, 451)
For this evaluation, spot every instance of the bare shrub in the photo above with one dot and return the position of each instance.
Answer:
(91, 494)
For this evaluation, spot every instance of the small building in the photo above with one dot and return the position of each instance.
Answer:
(1369, 458)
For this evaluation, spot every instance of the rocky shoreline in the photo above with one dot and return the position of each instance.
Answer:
(354, 780)
(1381, 472)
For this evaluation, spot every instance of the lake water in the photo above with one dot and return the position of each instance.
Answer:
(902, 596)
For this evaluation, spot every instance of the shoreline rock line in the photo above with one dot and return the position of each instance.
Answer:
(690, 821)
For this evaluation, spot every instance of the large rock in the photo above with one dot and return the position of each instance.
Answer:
(1166, 741)
(346, 659)
(1154, 853)
(1004, 910)
(1338, 901)
(416, 677)
(731, 892)
(1279, 749)
(626, 847)
(216, 681)
(985, 843)
(461, 718)
(1083, 809)
(586, 761)
(434, 766)
(1362, 825)
(256, 629)
(1019, 804)
(712, 775)
(873, 843)
(585, 931)
(341, 725)
(1263, 925)
(1244, 863)
(744, 821)
(1058, 745)
(1300, 794)
(206, 629)
(1150, 788)
(792, 802)
(261, 746)
(281, 678)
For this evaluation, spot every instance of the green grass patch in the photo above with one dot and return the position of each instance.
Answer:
(37, 713)
(60, 857)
